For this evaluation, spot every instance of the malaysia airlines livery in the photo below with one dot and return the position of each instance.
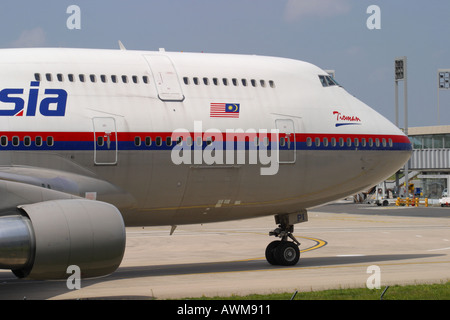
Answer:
(92, 141)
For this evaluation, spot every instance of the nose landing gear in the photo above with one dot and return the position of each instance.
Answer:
(284, 252)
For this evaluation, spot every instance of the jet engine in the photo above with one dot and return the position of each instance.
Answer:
(40, 240)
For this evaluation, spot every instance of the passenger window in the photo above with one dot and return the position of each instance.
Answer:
(168, 141)
(349, 142)
(27, 141)
(37, 76)
(244, 82)
(216, 81)
(114, 79)
(341, 142)
(253, 82)
(81, 76)
(390, 143)
(4, 141)
(148, 141)
(145, 79)
(196, 81)
(263, 83)
(363, 142)
(135, 79)
(103, 78)
(325, 142)
(71, 77)
(15, 141)
(333, 142)
(317, 142)
(50, 141)
(370, 142)
(60, 78)
(356, 142)
(100, 141)
(186, 80)
(38, 141)
(308, 142)
(271, 84)
(235, 82)
(92, 77)
(206, 81)
(158, 141)
(282, 142)
(124, 79)
(377, 142)
(137, 141)
(225, 81)
(383, 142)
(48, 76)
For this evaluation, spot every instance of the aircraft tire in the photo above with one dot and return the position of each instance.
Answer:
(286, 253)
(270, 252)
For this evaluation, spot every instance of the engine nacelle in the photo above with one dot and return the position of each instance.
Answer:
(50, 236)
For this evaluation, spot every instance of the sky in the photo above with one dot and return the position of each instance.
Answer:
(332, 34)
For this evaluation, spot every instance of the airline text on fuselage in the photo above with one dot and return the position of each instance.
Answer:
(14, 103)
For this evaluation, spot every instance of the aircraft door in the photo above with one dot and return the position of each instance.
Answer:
(165, 77)
(287, 145)
(105, 141)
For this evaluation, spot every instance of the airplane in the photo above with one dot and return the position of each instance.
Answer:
(95, 140)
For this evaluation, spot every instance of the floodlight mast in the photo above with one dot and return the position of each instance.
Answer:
(401, 75)
(443, 84)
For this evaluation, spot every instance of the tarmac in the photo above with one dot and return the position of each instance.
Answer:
(343, 245)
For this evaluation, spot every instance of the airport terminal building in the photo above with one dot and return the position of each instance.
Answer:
(429, 165)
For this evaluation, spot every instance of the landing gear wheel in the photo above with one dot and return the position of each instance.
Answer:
(270, 252)
(283, 252)
(286, 253)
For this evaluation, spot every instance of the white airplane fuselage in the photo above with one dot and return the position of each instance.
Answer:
(105, 125)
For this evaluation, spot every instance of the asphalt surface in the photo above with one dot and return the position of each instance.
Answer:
(339, 245)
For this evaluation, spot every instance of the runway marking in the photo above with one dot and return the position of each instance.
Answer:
(319, 244)
(440, 249)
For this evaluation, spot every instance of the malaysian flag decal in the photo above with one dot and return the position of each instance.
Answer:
(224, 110)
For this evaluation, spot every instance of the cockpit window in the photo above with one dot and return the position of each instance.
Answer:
(327, 81)
(323, 81)
(330, 81)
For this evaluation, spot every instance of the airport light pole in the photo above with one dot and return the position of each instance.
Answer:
(443, 84)
(401, 75)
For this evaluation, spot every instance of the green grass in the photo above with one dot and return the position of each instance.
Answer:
(409, 292)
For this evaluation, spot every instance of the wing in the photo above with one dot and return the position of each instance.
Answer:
(23, 185)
